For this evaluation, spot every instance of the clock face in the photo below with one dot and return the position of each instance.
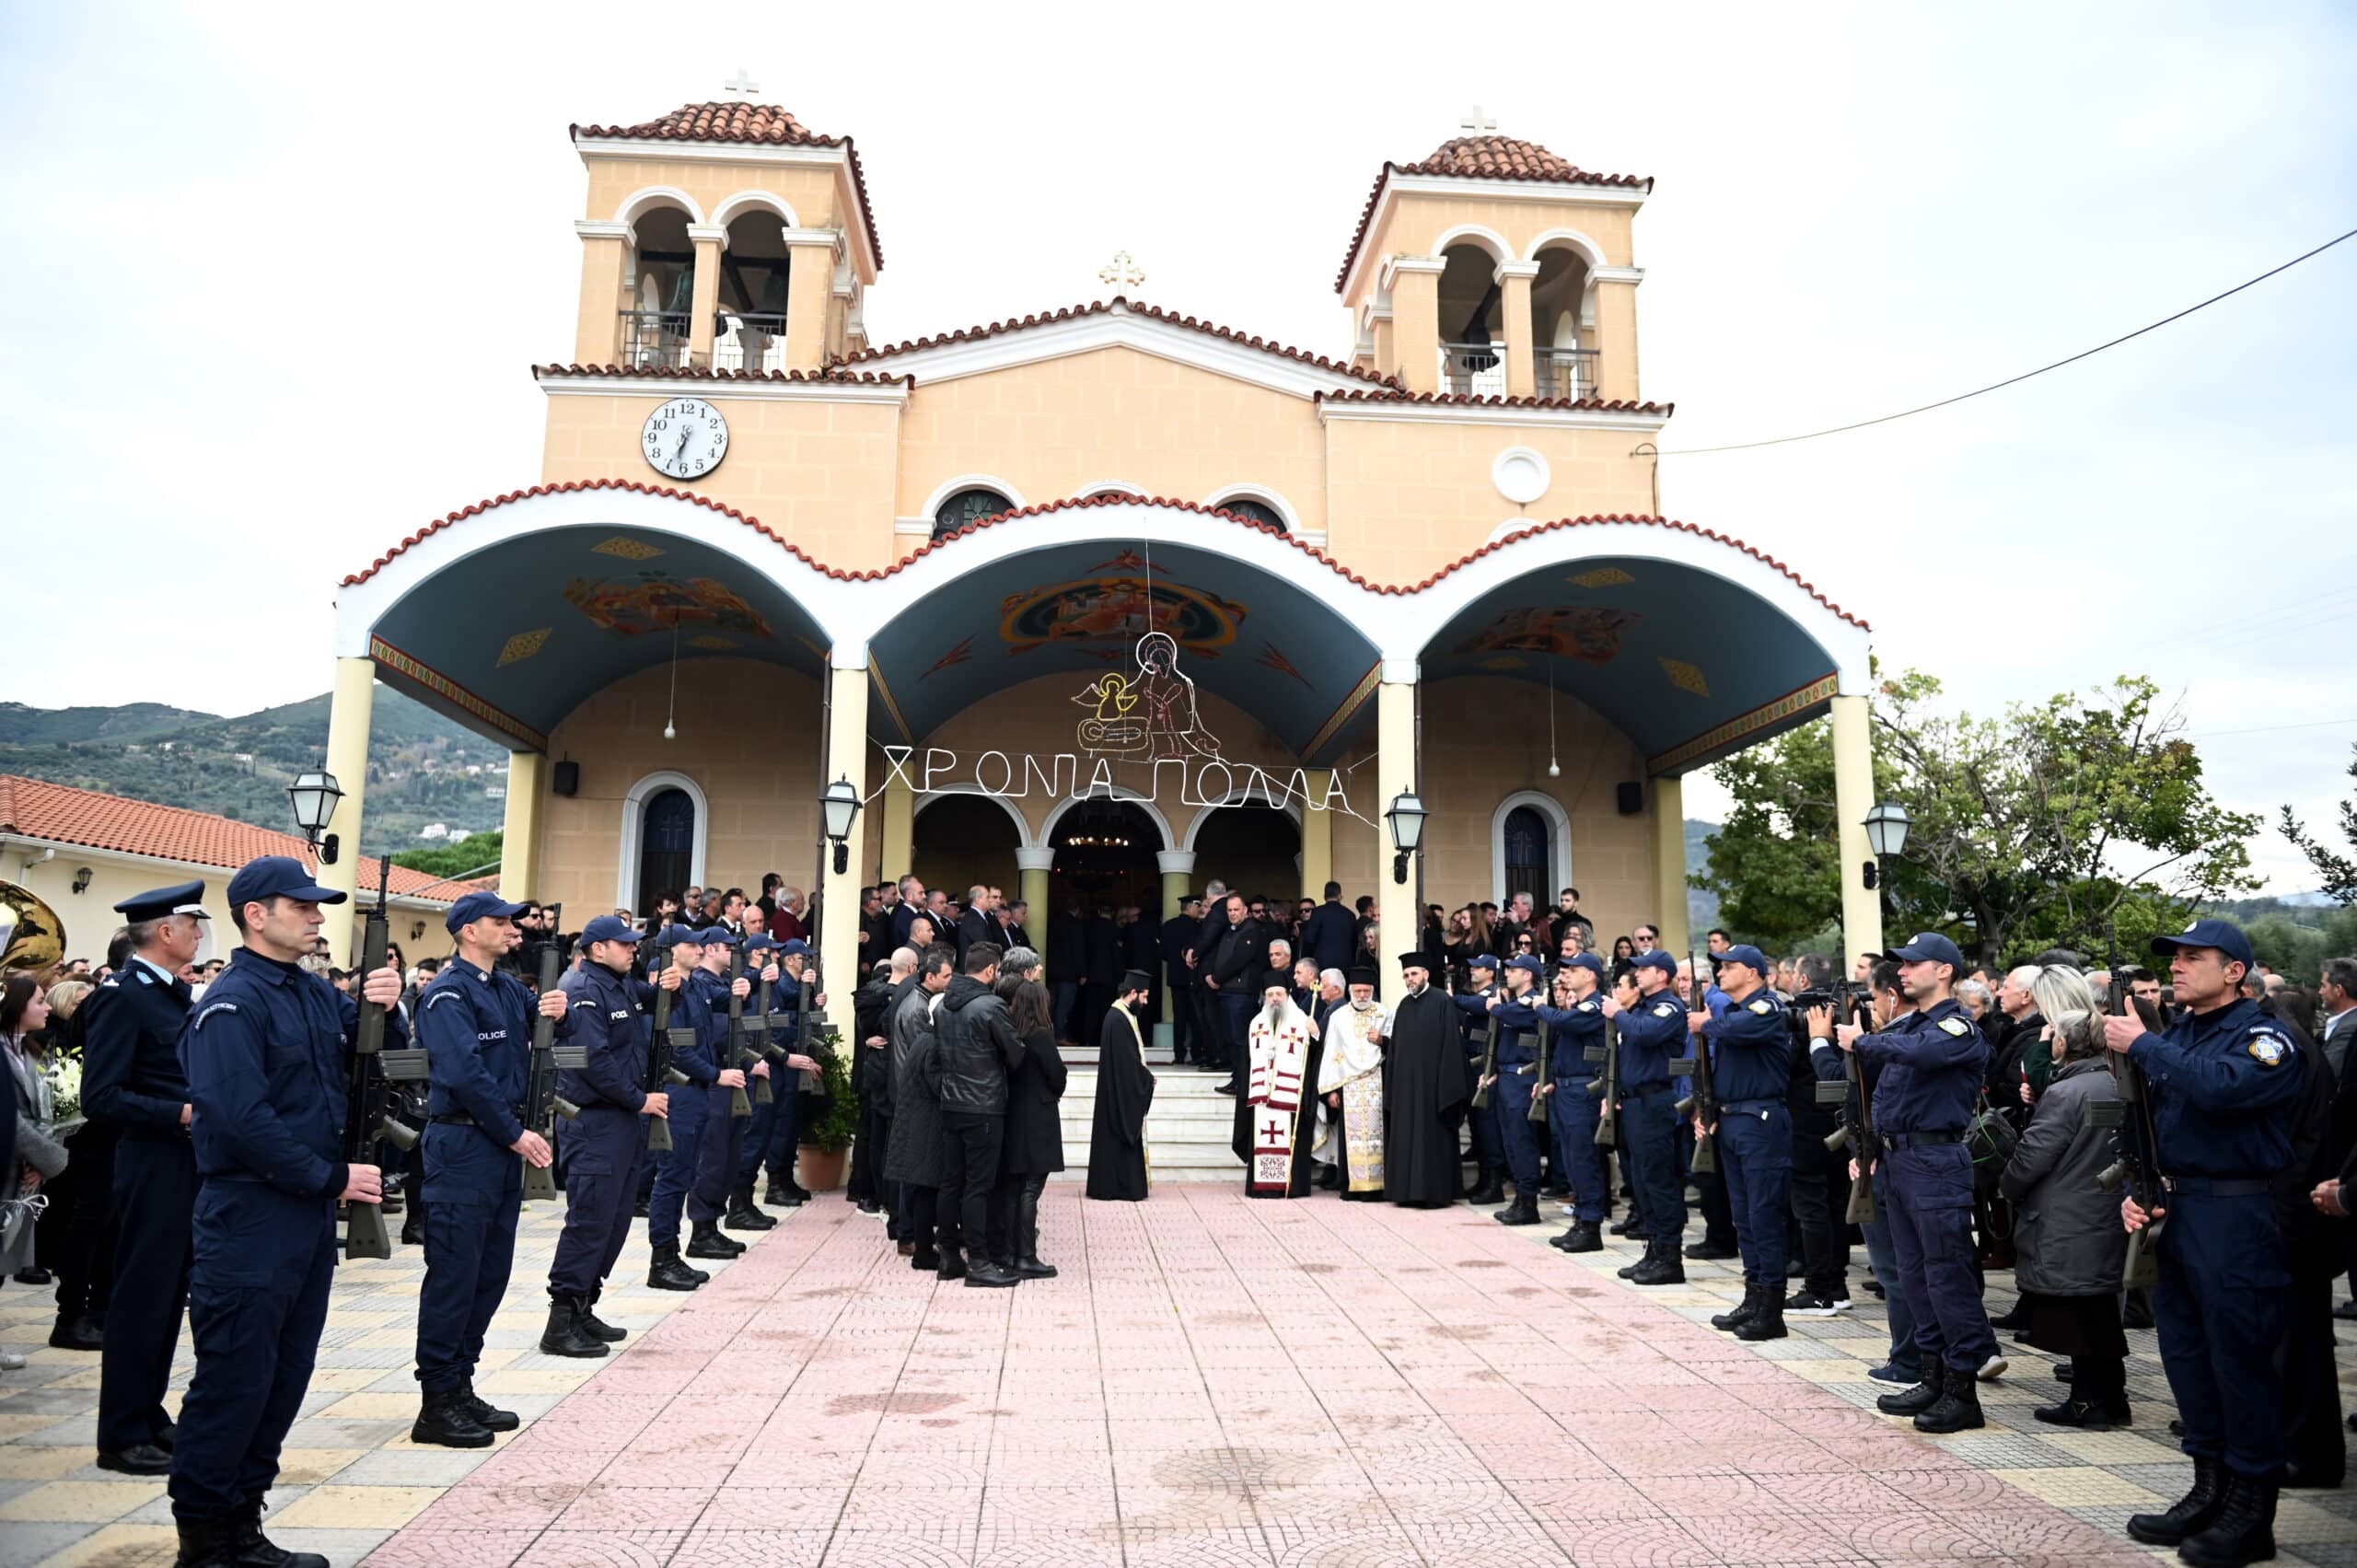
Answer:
(685, 438)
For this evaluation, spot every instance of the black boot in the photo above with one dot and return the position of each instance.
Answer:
(565, 1334)
(1491, 1190)
(2245, 1530)
(596, 1327)
(248, 1548)
(487, 1416)
(444, 1421)
(742, 1215)
(925, 1259)
(1728, 1322)
(1663, 1268)
(1027, 1239)
(1709, 1251)
(1958, 1407)
(1583, 1236)
(784, 1194)
(985, 1274)
(1631, 1225)
(77, 1333)
(1915, 1400)
(207, 1544)
(2195, 1512)
(951, 1266)
(1524, 1210)
(1768, 1321)
(1629, 1271)
(704, 1240)
(665, 1272)
(2092, 1415)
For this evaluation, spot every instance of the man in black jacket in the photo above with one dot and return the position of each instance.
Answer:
(1240, 958)
(1101, 971)
(1178, 940)
(976, 924)
(976, 1043)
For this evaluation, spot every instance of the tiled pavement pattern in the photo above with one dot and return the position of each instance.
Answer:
(1212, 1381)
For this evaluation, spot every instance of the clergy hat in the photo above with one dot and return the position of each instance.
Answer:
(1420, 962)
(1280, 979)
(1136, 980)
(1366, 976)
(180, 898)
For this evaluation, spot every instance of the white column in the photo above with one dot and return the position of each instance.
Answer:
(1670, 863)
(1853, 797)
(349, 708)
(838, 973)
(1395, 773)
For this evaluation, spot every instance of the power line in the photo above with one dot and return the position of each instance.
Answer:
(2012, 380)
(2268, 729)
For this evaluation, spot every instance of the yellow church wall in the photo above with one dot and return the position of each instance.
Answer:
(1406, 498)
(810, 191)
(819, 474)
(1052, 429)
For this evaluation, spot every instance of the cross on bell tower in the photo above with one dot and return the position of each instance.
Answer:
(1476, 121)
(1122, 272)
(741, 83)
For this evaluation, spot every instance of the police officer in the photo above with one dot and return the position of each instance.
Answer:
(599, 1154)
(771, 1122)
(1573, 1113)
(675, 1172)
(1522, 1018)
(475, 1022)
(1931, 1064)
(132, 1081)
(1751, 1048)
(1652, 1033)
(796, 978)
(724, 1130)
(2224, 1081)
(266, 1056)
(1489, 1146)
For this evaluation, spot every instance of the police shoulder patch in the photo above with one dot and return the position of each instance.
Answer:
(1956, 1027)
(440, 996)
(216, 1008)
(1666, 1009)
(144, 979)
(2269, 1048)
(1761, 1004)
(1589, 1005)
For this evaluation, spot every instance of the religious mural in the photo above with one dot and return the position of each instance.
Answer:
(1119, 610)
(1147, 717)
(656, 603)
(1573, 631)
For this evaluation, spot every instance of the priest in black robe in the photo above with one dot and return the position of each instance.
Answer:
(1425, 1094)
(1116, 1162)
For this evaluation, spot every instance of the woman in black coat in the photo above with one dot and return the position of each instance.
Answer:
(1033, 1146)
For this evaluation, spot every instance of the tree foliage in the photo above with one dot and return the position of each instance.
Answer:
(2045, 826)
(451, 860)
(2339, 871)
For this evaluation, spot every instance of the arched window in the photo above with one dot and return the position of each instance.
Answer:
(666, 846)
(1254, 511)
(967, 506)
(1529, 855)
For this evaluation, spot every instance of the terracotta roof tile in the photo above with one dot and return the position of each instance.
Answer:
(874, 576)
(37, 809)
(1106, 307)
(700, 373)
(1468, 400)
(763, 125)
(1484, 157)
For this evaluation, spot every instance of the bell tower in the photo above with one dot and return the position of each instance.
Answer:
(1495, 268)
(723, 237)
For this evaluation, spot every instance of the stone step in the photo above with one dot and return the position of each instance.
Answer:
(1190, 1133)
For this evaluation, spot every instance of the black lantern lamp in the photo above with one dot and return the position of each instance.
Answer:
(1886, 835)
(315, 796)
(1407, 820)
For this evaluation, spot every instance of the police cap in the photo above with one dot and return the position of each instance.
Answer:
(1654, 958)
(1587, 961)
(180, 898)
(1744, 953)
(481, 906)
(610, 928)
(278, 876)
(1928, 946)
(1483, 961)
(1525, 962)
(2222, 935)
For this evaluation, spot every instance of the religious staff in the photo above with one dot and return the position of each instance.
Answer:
(1282, 1062)
(1117, 1159)
(1425, 1100)
(1350, 1090)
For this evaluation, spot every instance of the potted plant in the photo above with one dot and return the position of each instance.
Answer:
(827, 1137)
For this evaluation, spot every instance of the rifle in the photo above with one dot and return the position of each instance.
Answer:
(2130, 1117)
(1544, 1072)
(739, 1103)
(368, 1086)
(1703, 1102)
(759, 1025)
(1607, 1084)
(1488, 1065)
(1857, 1132)
(542, 1104)
(660, 1075)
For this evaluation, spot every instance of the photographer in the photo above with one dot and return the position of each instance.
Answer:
(1821, 1179)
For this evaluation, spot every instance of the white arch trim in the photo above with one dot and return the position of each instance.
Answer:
(1590, 252)
(1559, 858)
(1048, 827)
(1014, 813)
(1237, 797)
(1261, 492)
(972, 481)
(1488, 239)
(1511, 526)
(626, 889)
(648, 197)
(749, 201)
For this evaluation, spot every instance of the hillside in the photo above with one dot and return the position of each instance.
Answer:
(1702, 905)
(239, 767)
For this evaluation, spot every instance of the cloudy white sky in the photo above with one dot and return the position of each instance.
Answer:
(280, 273)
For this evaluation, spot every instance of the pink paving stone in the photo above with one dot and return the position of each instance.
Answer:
(605, 1506)
(414, 1548)
(602, 1549)
(498, 1508)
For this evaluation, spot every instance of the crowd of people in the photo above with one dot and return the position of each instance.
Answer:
(2137, 1149)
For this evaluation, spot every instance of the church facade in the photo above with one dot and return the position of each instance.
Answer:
(1100, 603)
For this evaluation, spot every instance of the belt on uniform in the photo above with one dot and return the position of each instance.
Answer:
(1749, 1106)
(1642, 1090)
(454, 1118)
(2215, 1186)
(1921, 1139)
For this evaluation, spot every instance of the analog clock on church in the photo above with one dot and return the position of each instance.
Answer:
(685, 438)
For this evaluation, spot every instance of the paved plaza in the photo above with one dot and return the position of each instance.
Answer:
(1213, 1381)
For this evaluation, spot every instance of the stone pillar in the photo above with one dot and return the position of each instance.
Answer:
(1316, 837)
(809, 290)
(709, 240)
(597, 336)
(1853, 797)
(1034, 864)
(520, 844)
(899, 806)
(1395, 773)
(349, 707)
(1415, 320)
(1616, 332)
(845, 758)
(1669, 863)
(1522, 361)
(1177, 882)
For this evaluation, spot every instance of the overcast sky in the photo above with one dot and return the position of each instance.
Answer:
(280, 273)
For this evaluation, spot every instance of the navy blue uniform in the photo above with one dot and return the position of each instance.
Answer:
(476, 1026)
(265, 1054)
(724, 1130)
(1572, 1112)
(132, 1081)
(599, 1154)
(1750, 1063)
(1488, 1143)
(676, 1172)
(769, 1141)
(1650, 1034)
(1521, 1027)
(1932, 1062)
(2224, 1085)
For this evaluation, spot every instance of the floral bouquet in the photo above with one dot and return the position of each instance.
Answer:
(64, 1076)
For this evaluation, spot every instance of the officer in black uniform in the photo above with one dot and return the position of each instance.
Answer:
(599, 1154)
(1932, 1062)
(724, 1130)
(2224, 1081)
(475, 1021)
(1522, 1018)
(266, 1053)
(1572, 1113)
(1751, 1050)
(1650, 1034)
(132, 1081)
(1473, 1017)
